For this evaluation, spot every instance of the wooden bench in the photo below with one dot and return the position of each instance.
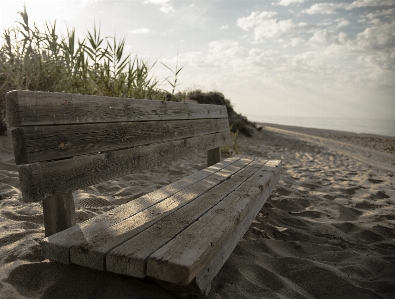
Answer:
(179, 235)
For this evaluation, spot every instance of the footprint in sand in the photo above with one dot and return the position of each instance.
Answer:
(352, 190)
(365, 205)
(283, 191)
(37, 218)
(378, 195)
(375, 181)
(312, 214)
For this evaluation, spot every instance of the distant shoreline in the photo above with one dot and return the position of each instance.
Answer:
(329, 131)
(383, 144)
(380, 127)
(314, 131)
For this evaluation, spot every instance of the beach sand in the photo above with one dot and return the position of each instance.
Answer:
(327, 231)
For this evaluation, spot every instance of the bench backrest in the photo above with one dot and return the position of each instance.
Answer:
(65, 142)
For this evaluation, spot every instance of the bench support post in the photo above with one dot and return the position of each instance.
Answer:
(213, 156)
(59, 213)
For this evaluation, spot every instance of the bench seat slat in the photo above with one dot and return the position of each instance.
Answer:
(207, 273)
(56, 247)
(35, 144)
(92, 252)
(31, 108)
(130, 257)
(181, 259)
(46, 179)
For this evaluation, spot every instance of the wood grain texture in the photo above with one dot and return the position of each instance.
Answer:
(28, 108)
(201, 284)
(56, 247)
(213, 156)
(59, 213)
(43, 143)
(130, 257)
(181, 259)
(92, 252)
(213, 266)
(46, 179)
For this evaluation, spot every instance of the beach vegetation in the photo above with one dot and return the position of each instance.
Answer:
(45, 60)
(237, 121)
(228, 150)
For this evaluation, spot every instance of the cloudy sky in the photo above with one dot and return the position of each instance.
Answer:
(279, 57)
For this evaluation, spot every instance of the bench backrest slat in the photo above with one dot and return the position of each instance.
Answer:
(36, 144)
(28, 108)
(42, 180)
(65, 142)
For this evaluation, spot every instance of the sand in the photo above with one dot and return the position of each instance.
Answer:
(327, 231)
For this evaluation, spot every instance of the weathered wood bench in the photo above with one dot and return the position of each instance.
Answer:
(179, 235)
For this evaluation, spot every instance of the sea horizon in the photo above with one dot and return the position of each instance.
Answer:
(381, 127)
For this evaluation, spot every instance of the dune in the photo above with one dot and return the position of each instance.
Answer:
(327, 231)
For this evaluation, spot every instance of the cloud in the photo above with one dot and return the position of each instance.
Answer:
(342, 23)
(324, 8)
(254, 19)
(84, 3)
(378, 37)
(289, 2)
(325, 71)
(327, 37)
(165, 5)
(224, 27)
(166, 9)
(331, 8)
(370, 3)
(264, 25)
(139, 31)
(384, 13)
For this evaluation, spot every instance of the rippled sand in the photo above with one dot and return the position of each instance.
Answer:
(327, 231)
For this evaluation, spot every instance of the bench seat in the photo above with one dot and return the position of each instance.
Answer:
(179, 235)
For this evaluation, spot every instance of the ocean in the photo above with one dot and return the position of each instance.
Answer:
(384, 127)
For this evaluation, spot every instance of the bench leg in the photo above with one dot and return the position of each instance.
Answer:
(59, 213)
(213, 156)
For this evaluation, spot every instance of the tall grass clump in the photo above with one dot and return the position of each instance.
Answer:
(45, 60)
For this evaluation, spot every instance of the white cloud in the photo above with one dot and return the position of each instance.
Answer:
(289, 2)
(327, 37)
(370, 3)
(139, 31)
(224, 27)
(334, 66)
(84, 3)
(324, 8)
(254, 19)
(166, 9)
(263, 24)
(384, 13)
(330, 8)
(297, 41)
(342, 23)
(165, 5)
(378, 37)
(157, 2)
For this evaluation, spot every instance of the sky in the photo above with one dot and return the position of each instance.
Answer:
(288, 58)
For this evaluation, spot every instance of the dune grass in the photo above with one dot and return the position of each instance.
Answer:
(48, 61)
(45, 60)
